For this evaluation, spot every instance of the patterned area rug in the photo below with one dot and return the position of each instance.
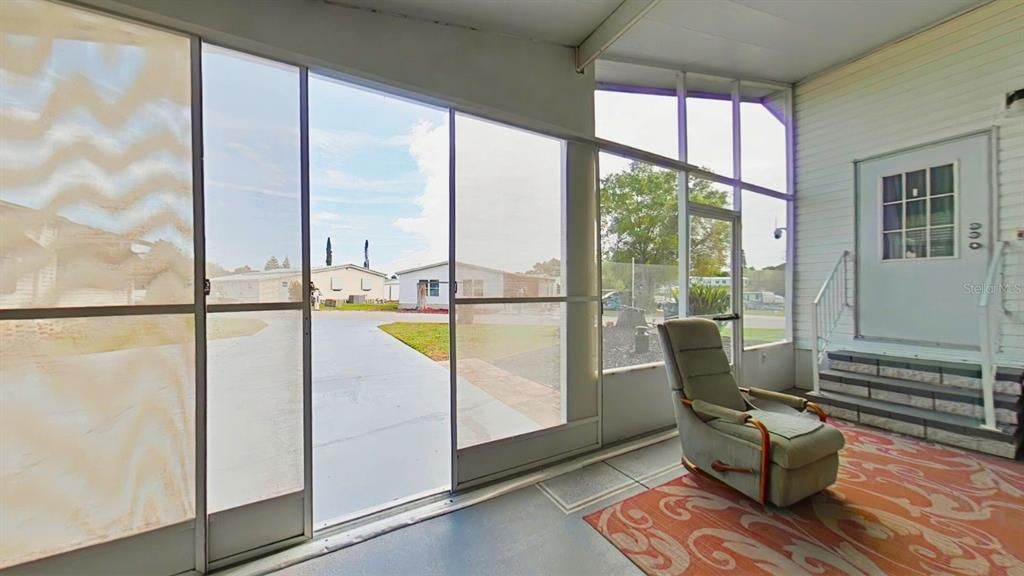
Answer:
(901, 506)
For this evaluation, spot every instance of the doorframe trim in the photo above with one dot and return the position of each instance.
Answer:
(992, 133)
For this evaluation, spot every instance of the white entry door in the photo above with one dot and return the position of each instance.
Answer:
(923, 237)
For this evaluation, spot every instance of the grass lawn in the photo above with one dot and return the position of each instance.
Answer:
(764, 312)
(346, 307)
(484, 341)
(755, 336)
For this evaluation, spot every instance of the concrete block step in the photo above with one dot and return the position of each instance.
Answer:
(950, 399)
(953, 429)
(1009, 380)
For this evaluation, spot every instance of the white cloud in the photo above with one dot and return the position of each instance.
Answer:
(428, 145)
(336, 144)
(341, 180)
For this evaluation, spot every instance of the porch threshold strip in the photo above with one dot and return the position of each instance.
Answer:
(341, 536)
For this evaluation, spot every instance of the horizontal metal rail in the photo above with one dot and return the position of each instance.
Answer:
(95, 311)
(631, 153)
(527, 300)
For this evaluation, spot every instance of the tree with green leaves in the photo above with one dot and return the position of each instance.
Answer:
(552, 267)
(640, 227)
(272, 264)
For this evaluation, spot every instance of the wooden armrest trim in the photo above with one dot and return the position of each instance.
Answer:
(766, 454)
(817, 409)
(766, 457)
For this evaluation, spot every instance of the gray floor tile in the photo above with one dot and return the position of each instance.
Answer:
(665, 476)
(578, 488)
(650, 461)
(522, 533)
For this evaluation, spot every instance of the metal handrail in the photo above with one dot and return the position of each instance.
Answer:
(988, 334)
(833, 298)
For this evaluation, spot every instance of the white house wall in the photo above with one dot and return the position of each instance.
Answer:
(946, 81)
(351, 282)
(407, 291)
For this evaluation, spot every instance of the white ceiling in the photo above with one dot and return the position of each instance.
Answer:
(566, 22)
(778, 40)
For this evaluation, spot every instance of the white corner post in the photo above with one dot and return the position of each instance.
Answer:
(682, 198)
(737, 242)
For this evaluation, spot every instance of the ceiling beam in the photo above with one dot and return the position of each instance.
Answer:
(611, 29)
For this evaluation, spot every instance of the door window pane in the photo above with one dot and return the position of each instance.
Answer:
(97, 430)
(254, 398)
(942, 180)
(892, 217)
(710, 290)
(916, 216)
(511, 379)
(508, 214)
(639, 258)
(95, 160)
(892, 246)
(915, 184)
(942, 210)
(942, 241)
(892, 188)
(764, 269)
(917, 244)
(252, 178)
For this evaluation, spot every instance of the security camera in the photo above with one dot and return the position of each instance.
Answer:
(778, 232)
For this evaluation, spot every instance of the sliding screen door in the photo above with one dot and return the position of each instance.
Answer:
(254, 322)
(97, 313)
(515, 372)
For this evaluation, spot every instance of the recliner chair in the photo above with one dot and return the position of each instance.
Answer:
(774, 447)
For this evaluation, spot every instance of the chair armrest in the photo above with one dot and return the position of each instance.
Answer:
(795, 402)
(708, 411)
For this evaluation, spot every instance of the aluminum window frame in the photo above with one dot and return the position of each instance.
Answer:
(199, 35)
(738, 185)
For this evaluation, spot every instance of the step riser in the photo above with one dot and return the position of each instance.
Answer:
(939, 378)
(1003, 415)
(922, 430)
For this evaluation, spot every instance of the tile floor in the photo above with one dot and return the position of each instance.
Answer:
(535, 530)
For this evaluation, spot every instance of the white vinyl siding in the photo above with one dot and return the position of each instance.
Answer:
(946, 81)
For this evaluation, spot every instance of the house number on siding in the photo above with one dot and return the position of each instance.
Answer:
(974, 235)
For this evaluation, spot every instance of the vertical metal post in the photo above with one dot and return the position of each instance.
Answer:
(791, 228)
(199, 300)
(737, 262)
(453, 401)
(683, 198)
(307, 309)
(815, 385)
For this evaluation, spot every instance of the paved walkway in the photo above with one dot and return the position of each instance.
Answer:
(381, 428)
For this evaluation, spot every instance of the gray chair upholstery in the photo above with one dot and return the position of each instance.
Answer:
(761, 444)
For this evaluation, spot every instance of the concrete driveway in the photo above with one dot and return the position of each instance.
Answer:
(381, 427)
